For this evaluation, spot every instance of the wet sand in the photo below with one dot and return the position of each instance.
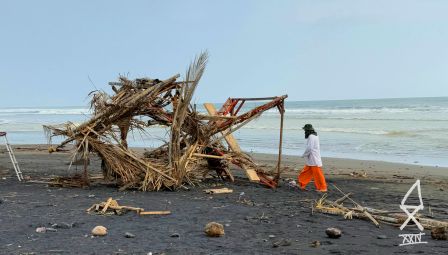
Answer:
(253, 222)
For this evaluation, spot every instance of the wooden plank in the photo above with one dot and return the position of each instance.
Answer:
(233, 144)
(251, 174)
(216, 117)
(130, 208)
(155, 213)
(231, 141)
(218, 191)
(91, 208)
(109, 200)
(229, 174)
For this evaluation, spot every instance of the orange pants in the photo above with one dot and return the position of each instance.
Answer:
(310, 172)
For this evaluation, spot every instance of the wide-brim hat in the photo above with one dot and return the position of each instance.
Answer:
(308, 127)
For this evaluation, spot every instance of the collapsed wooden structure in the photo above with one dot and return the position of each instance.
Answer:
(195, 139)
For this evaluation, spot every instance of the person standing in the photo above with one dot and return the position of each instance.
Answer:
(313, 162)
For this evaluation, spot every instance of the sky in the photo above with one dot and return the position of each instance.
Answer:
(53, 53)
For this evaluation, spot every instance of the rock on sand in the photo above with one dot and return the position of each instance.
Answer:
(214, 229)
(333, 232)
(99, 231)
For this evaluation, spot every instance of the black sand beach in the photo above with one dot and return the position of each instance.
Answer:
(257, 220)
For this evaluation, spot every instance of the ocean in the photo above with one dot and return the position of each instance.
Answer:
(405, 130)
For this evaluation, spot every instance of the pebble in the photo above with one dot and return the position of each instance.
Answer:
(381, 237)
(44, 229)
(41, 230)
(283, 242)
(129, 235)
(214, 229)
(333, 232)
(315, 244)
(99, 231)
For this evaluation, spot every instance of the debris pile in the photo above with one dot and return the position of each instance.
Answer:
(397, 218)
(111, 207)
(194, 140)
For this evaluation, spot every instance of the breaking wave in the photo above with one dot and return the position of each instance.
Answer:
(407, 133)
(361, 110)
(45, 111)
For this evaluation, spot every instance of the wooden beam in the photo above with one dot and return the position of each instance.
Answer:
(216, 117)
(254, 98)
(234, 146)
(155, 213)
(218, 191)
(109, 200)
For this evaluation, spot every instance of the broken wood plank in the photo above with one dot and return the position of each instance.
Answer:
(218, 191)
(155, 213)
(216, 117)
(109, 200)
(230, 139)
(234, 146)
(130, 208)
(91, 208)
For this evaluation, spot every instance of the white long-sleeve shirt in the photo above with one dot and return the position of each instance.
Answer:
(312, 151)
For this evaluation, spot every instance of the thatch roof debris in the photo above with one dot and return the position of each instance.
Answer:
(194, 138)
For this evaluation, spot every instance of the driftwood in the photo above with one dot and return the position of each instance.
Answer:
(111, 206)
(154, 213)
(218, 191)
(75, 181)
(323, 205)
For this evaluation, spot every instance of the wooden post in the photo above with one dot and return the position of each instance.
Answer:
(282, 111)
(85, 175)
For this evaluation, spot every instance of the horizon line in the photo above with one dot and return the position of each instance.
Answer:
(311, 100)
